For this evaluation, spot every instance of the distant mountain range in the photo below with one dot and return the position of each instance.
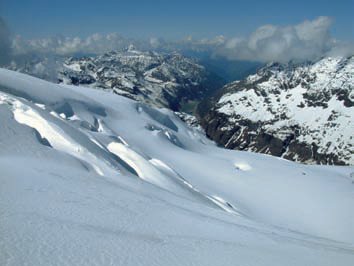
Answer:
(301, 112)
(159, 79)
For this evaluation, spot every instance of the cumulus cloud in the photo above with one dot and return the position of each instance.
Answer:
(308, 40)
(155, 42)
(93, 44)
(5, 44)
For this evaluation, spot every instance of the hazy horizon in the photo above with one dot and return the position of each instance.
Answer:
(237, 30)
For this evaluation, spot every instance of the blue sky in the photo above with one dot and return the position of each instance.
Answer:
(169, 19)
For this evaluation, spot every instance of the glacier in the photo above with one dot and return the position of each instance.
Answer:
(93, 178)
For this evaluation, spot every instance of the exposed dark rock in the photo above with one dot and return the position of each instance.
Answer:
(283, 111)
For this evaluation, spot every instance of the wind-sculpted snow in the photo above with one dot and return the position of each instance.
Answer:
(91, 178)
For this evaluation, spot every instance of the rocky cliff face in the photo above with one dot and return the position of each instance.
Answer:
(301, 112)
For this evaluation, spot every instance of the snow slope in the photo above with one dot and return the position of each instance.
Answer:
(92, 179)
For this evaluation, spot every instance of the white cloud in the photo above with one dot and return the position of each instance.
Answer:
(308, 40)
(96, 43)
(155, 42)
(305, 41)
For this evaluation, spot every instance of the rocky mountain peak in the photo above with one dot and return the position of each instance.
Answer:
(302, 112)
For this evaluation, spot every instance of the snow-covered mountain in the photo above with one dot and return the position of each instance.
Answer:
(91, 178)
(301, 112)
(159, 79)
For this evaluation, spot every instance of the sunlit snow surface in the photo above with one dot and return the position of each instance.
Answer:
(91, 178)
